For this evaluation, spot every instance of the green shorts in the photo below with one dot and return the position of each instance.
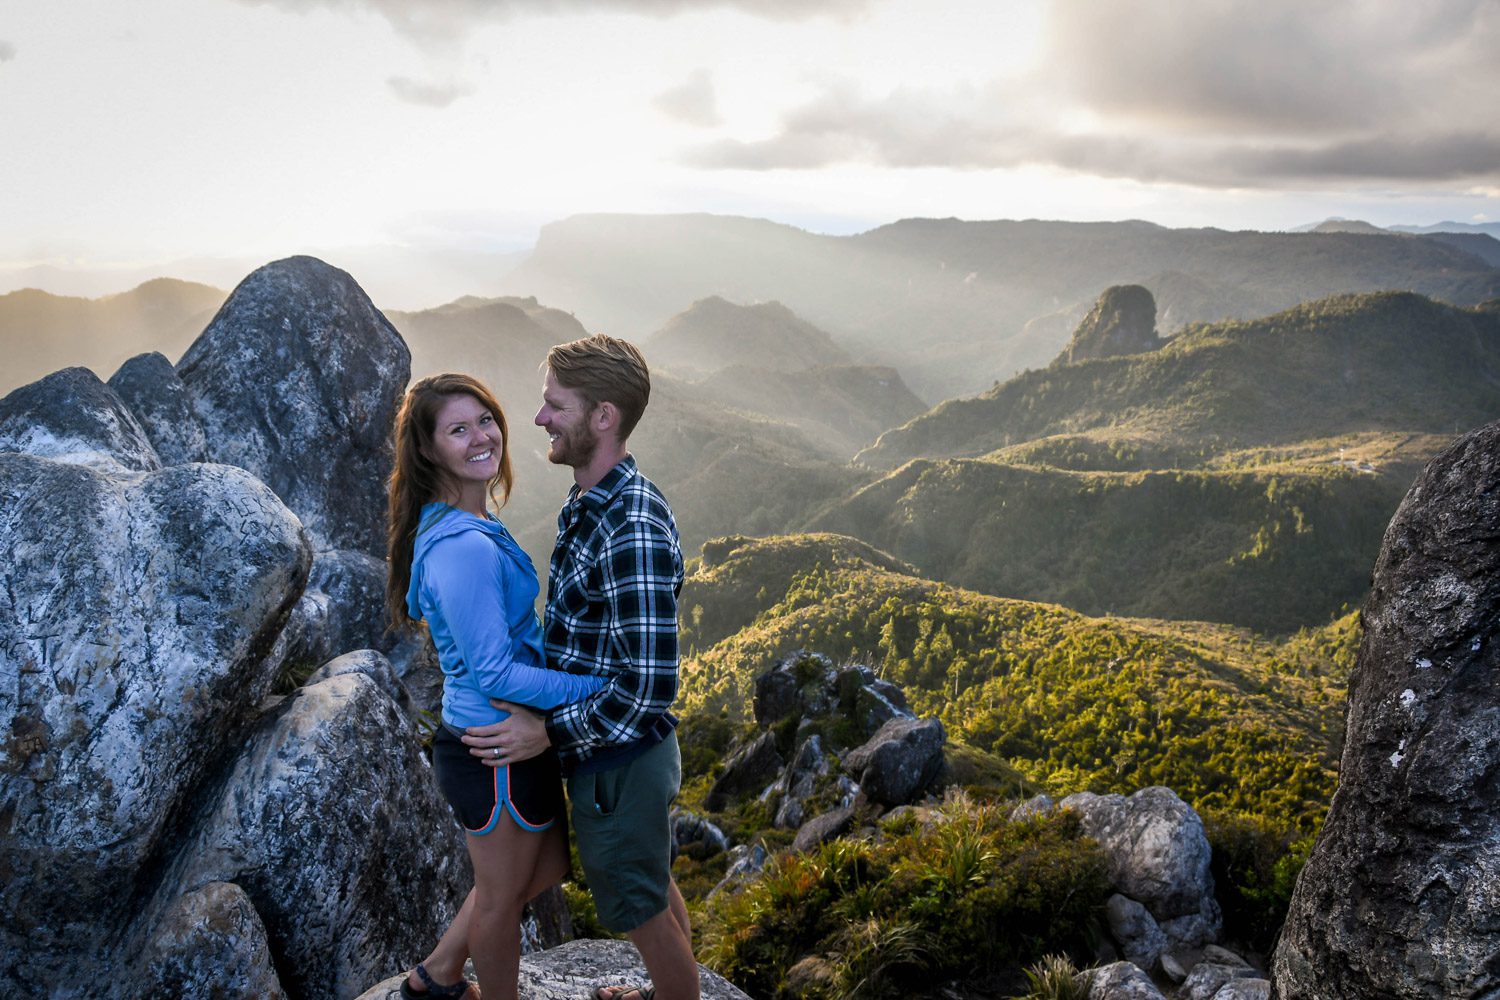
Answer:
(624, 837)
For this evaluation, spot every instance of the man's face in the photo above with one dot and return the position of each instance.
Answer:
(565, 417)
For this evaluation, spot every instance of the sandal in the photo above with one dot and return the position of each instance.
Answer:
(435, 990)
(621, 992)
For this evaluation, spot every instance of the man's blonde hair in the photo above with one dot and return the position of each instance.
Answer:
(604, 369)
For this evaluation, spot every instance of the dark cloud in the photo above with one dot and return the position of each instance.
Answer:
(1274, 65)
(931, 134)
(1448, 157)
(693, 102)
(427, 93)
(447, 21)
(1214, 93)
(7, 51)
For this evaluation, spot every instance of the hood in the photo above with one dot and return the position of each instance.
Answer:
(441, 521)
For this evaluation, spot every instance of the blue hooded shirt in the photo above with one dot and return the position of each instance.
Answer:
(477, 589)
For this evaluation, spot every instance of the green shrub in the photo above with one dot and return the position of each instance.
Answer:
(969, 894)
(1053, 978)
(1255, 866)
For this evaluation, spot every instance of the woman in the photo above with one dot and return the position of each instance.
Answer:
(455, 566)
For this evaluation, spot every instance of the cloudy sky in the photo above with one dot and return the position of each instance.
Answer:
(152, 130)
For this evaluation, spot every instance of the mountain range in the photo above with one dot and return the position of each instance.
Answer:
(957, 305)
(1390, 362)
(1237, 471)
(41, 332)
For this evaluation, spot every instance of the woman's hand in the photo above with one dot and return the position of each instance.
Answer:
(518, 738)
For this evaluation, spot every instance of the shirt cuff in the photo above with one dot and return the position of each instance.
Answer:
(556, 732)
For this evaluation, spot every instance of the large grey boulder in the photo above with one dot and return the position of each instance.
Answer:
(149, 385)
(1155, 848)
(775, 695)
(573, 970)
(371, 664)
(903, 760)
(71, 416)
(332, 823)
(799, 781)
(1119, 981)
(136, 612)
(823, 828)
(416, 663)
(877, 702)
(212, 944)
(1139, 936)
(355, 585)
(303, 643)
(692, 832)
(1400, 894)
(747, 772)
(746, 861)
(297, 380)
(1208, 979)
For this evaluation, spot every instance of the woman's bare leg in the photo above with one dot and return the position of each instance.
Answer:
(506, 864)
(552, 860)
(446, 962)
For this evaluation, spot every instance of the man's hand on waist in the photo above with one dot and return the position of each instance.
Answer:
(518, 738)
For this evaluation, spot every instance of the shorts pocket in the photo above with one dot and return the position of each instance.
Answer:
(607, 788)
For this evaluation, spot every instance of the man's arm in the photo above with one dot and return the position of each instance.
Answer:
(640, 572)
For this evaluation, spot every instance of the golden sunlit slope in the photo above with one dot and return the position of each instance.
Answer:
(41, 332)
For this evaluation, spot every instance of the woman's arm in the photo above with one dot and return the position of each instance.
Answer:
(464, 575)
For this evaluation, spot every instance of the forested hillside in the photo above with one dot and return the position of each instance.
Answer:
(1346, 365)
(1273, 550)
(1229, 720)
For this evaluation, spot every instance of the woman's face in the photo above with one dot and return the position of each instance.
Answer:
(466, 441)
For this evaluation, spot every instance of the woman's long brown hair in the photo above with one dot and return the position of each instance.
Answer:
(416, 479)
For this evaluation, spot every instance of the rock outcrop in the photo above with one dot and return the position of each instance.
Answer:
(1399, 896)
(1118, 981)
(212, 943)
(837, 747)
(693, 833)
(1157, 858)
(749, 770)
(136, 612)
(1123, 321)
(332, 824)
(71, 416)
(171, 828)
(574, 970)
(1156, 848)
(297, 380)
(354, 584)
(149, 385)
(901, 762)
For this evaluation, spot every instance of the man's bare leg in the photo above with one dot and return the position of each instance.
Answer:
(668, 954)
(679, 911)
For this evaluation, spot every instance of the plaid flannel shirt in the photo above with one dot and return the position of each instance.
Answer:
(612, 592)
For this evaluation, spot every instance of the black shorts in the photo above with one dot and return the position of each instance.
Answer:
(531, 791)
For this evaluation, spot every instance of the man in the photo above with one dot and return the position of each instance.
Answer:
(612, 612)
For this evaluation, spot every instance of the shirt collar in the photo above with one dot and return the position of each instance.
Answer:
(607, 488)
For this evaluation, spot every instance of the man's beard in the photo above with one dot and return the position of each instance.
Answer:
(575, 448)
